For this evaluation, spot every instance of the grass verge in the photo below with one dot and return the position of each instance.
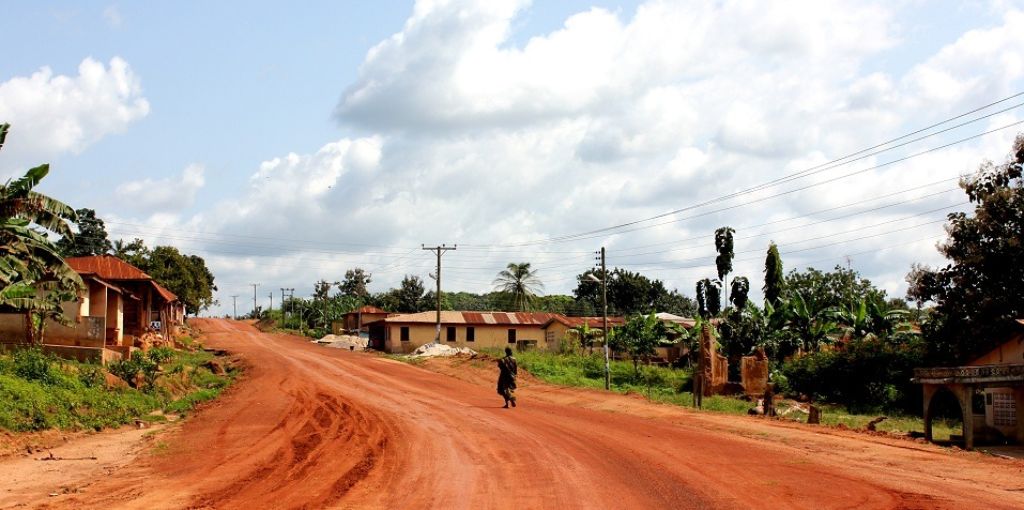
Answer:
(39, 391)
(669, 385)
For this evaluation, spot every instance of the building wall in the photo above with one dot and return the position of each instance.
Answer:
(12, 328)
(553, 335)
(1011, 351)
(486, 336)
(85, 331)
(115, 315)
(95, 303)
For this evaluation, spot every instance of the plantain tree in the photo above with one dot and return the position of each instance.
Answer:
(34, 279)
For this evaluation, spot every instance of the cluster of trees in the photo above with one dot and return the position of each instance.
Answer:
(629, 293)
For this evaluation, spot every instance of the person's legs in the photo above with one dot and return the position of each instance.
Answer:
(512, 397)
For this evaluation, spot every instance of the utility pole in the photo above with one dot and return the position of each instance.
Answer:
(437, 276)
(284, 313)
(234, 304)
(604, 322)
(271, 303)
(254, 285)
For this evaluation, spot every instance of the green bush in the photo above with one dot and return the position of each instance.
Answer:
(35, 365)
(139, 362)
(864, 375)
(38, 391)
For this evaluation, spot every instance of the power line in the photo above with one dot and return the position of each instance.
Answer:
(605, 230)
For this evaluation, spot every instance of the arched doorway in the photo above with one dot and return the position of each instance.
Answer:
(945, 416)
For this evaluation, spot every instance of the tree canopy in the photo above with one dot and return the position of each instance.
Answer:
(185, 275)
(833, 289)
(91, 238)
(774, 278)
(631, 293)
(980, 292)
(355, 283)
(519, 284)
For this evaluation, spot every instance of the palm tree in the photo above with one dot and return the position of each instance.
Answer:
(34, 279)
(519, 284)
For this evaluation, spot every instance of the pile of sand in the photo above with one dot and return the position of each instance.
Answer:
(433, 350)
(348, 342)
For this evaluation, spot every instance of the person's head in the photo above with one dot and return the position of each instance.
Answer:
(508, 351)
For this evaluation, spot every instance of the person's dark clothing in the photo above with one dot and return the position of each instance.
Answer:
(508, 370)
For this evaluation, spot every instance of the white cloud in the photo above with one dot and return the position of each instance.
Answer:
(613, 117)
(163, 195)
(56, 114)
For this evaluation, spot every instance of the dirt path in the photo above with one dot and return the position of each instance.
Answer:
(311, 427)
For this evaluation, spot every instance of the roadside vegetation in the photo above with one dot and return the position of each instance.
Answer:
(39, 391)
(672, 386)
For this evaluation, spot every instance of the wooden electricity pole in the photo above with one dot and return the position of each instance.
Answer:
(439, 250)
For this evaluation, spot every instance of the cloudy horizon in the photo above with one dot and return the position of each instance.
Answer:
(521, 132)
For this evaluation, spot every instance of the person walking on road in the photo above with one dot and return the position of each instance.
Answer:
(508, 370)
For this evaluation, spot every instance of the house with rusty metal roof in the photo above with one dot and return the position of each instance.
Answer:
(118, 303)
(405, 332)
(148, 307)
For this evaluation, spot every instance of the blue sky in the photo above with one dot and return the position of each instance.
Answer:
(485, 122)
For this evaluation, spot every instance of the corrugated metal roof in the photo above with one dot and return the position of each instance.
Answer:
(107, 267)
(593, 322)
(481, 318)
(164, 293)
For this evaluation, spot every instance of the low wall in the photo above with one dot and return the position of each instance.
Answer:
(99, 355)
(754, 375)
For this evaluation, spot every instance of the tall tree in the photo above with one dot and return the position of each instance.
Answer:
(774, 278)
(185, 275)
(519, 284)
(980, 292)
(409, 295)
(355, 282)
(91, 238)
(709, 303)
(723, 262)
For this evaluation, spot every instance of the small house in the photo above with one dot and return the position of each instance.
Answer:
(406, 332)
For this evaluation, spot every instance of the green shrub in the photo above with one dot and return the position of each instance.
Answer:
(865, 375)
(139, 362)
(35, 365)
(39, 392)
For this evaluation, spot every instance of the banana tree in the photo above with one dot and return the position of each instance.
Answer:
(34, 279)
(585, 336)
(812, 327)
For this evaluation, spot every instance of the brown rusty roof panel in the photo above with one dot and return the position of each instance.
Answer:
(107, 267)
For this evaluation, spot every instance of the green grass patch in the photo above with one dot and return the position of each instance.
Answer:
(671, 386)
(39, 391)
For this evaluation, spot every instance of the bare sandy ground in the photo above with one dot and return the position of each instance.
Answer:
(310, 427)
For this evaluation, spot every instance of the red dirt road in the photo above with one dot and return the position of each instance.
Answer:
(312, 427)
